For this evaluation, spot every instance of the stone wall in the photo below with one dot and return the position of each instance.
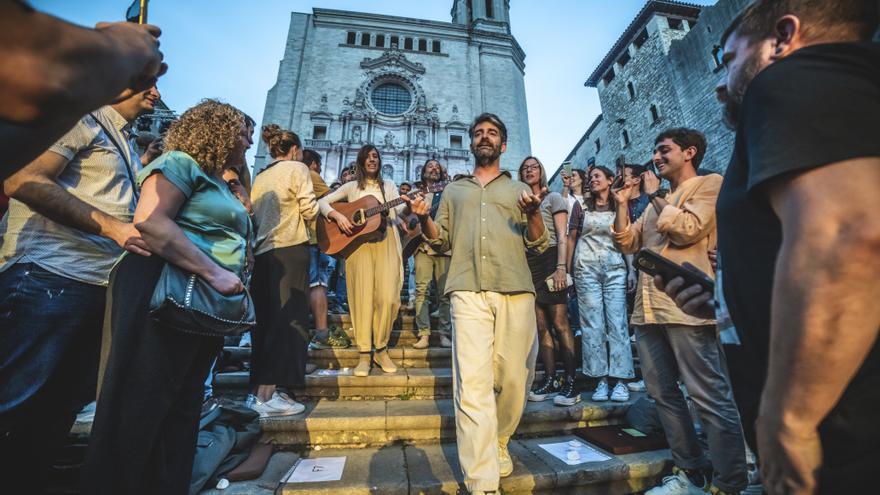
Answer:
(676, 70)
(697, 74)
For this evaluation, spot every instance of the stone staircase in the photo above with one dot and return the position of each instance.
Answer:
(397, 431)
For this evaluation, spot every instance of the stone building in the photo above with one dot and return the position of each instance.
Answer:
(409, 86)
(660, 73)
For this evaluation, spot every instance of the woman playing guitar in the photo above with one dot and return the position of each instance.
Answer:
(374, 271)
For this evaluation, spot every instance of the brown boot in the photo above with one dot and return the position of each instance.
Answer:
(363, 366)
(384, 361)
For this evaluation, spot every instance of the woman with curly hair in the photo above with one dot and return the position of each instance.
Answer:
(143, 439)
(283, 200)
(374, 272)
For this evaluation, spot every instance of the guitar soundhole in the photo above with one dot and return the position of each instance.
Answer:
(358, 218)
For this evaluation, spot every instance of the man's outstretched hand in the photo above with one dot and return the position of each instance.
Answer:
(530, 203)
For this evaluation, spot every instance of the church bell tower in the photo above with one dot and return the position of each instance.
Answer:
(484, 15)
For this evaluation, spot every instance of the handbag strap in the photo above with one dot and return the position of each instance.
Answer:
(134, 188)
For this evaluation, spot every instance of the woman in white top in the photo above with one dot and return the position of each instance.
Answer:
(283, 202)
(374, 271)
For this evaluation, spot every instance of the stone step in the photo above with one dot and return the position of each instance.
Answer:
(405, 383)
(336, 424)
(407, 357)
(434, 469)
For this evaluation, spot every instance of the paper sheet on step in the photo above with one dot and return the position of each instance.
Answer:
(315, 470)
(585, 453)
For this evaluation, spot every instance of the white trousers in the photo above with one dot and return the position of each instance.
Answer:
(494, 344)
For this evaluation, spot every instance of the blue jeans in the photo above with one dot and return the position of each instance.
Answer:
(50, 339)
(320, 267)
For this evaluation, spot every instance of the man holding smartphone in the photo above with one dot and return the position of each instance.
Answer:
(674, 346)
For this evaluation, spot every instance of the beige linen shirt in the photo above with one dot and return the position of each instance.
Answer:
(283, 199)
(683, 232)
(487, 234)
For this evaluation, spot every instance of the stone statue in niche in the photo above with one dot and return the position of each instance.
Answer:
(455, 110)
(421, 136)
(389, 139)
(387, 172)
(324, 102)
(356, 134)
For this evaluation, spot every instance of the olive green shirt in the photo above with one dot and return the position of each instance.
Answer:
(487, 233)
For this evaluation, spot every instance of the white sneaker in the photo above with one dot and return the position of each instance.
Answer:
(620, 393)
(276, 406)
(445, 341)
(638, 386)
(288, 399)
(676, 484)
(601, 393)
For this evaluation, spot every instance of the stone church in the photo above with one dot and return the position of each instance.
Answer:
(409, 86)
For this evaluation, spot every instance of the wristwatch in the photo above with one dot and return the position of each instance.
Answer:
(659, 193)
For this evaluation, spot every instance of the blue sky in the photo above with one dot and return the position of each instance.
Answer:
(230, 49)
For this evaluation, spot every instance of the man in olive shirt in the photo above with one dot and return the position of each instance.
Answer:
(488, 220)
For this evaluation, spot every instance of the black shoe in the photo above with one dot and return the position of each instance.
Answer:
(548, 389)
(568, 395)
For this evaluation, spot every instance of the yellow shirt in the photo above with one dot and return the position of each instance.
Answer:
(683, 232)
(283, 199)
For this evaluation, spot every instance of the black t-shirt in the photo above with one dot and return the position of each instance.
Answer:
(818, 106)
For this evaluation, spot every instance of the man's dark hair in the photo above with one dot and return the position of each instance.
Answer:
(310, 157)
(443, 175)
(636, 169)
(492, 119)
(821, 19)
(685, 138)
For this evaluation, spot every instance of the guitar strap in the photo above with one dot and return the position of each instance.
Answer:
(435, 204)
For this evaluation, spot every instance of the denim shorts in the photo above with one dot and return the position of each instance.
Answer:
(320, 267)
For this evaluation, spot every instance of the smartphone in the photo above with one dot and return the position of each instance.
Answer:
(653, 264)
(566, 167)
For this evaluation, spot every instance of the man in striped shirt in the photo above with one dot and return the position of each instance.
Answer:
(68, 222)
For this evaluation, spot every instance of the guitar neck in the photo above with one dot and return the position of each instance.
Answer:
(395, 202)
(384, 207)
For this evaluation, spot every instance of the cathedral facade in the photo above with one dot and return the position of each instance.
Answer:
(411, 87)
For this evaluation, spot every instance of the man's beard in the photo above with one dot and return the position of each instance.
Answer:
(736, 92)
(484, 156)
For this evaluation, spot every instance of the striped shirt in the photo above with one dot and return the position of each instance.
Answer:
(96, 174)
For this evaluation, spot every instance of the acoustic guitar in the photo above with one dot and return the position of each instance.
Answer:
(368, 223)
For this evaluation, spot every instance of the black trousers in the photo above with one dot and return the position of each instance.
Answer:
(143, 438)
(280, 340)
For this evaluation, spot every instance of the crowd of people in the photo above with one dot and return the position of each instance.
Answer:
(108, 238)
